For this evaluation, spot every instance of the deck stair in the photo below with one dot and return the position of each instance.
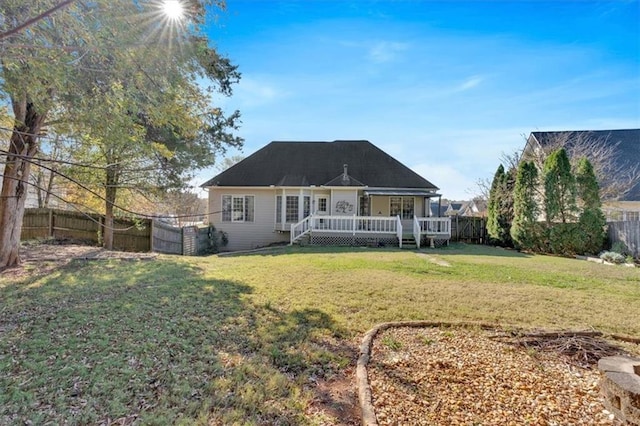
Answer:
(409, 242)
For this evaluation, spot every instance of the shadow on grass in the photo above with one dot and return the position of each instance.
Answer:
(156, 343)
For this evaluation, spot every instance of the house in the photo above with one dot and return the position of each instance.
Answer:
(439, 208)
(340, 192)
(454, 208)
(474, 208)
(615, 155)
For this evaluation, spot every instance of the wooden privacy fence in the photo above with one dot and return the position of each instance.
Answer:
(128, 235)
(141, 235)
(469, 229)
(188, 241)
(628, 232)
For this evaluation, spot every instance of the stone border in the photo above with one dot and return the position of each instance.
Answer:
(362, 378)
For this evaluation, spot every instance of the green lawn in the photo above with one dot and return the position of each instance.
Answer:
(242, 339)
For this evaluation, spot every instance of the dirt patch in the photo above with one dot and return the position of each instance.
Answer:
(336, 400)
(44, 258)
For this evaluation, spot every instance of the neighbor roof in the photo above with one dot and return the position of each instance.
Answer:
(627, 143)
(320, 163)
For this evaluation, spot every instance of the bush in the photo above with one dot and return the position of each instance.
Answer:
(620, 248)
(566, 239)
(612, 257)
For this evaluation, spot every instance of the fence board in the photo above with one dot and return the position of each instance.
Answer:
(627, 232)
(166, 238)
(62, 224)
(132, 236)
(469, 229)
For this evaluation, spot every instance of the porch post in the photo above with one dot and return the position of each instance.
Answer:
(300, 205)
(283, 208)
(353, 228)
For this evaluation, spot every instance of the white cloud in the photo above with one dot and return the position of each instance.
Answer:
(386, 51)
(469, 83)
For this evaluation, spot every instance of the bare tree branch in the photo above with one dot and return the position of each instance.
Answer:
(32, 21)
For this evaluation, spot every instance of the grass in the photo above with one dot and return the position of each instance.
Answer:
(242, 339)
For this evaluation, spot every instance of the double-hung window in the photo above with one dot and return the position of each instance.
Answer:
(292, 208)
(238, 208)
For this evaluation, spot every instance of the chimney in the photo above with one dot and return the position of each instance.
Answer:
(345, 175)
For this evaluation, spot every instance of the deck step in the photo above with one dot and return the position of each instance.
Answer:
(409, 243)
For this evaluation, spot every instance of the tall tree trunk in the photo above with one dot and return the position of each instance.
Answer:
(47, 195)
(23, 146)
(110, 199)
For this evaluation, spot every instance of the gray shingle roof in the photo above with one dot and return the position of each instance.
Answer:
(627, 143)
(320, 163)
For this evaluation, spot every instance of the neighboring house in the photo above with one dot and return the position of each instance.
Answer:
(438, 209)
(34, 197)
(341, 192)
(615, 154)
(474, 208)
(453, 209)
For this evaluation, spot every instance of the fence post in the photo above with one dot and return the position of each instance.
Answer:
(50, 223)
(151, 229)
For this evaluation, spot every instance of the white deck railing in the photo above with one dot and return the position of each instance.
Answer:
(435, 226)
(298, 230)
(346, 225)
(432, 227)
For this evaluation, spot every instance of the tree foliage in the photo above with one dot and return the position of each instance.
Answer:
(128, 85)
(525, 207)
(559, 188)
(500, 206)
(592, 221)
(616, 178)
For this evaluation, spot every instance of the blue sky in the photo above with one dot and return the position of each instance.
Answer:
(445, 87)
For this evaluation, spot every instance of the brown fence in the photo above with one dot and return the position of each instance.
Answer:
(128, 235)
(627, 232)
(141, 235)
(166, 238)
(469, 229)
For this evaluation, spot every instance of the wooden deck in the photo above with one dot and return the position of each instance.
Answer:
(360, 228)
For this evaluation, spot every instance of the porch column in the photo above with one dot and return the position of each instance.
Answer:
(300, 205)
(283, 208)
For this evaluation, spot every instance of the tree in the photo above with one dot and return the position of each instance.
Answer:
(228, 162)
(77, 59)
(500, 206)
(614, 177)
(559, 188)
(592, 220)
(525, 206)
(494, 224)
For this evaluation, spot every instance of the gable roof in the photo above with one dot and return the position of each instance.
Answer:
(626, 142)
(320, 163)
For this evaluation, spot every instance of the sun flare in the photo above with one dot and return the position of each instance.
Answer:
(173, 9)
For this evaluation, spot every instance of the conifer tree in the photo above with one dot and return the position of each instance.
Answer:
(500, 206)
(525, 207)
(592, 220)
(559, 188)
(493, 206)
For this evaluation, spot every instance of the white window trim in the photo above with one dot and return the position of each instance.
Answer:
(244, 208)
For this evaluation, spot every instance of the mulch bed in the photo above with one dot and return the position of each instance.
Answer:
(465, 376)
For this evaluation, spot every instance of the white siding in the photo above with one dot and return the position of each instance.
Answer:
(344, 202)
(247, 235)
